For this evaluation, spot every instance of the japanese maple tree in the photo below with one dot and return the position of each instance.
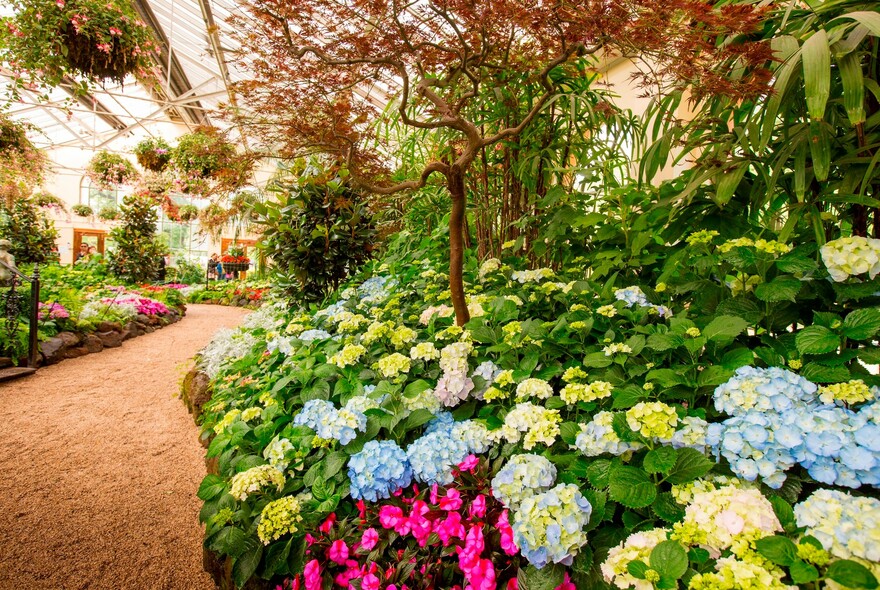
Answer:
(325, 71)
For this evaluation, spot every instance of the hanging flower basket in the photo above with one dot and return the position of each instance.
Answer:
(82, 210)
(153, 154)
(108, 213)
(188, 213)
(203, 153)
(94, 40)
(108, 170)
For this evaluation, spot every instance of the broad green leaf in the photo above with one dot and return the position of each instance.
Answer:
(229, 540)
(779, 289)
(862, 324)
(669, 559)
(211, 487)
(667, 508)
(783, 512)
(333, 464)
(661, 342)
(245, 566)
(820, 149)
(546, 578)
(417, 418)
(598, 473)
(714, 375)
(689, 465)
(660, 460)
(851, 574)
(736, 358)
(597, 360)
(725, 327)
(637, 568)
(820, 373)
(803, 573)
(816, 340)
(631, 487)
(816, 58)
(627, 397)
(778, 549)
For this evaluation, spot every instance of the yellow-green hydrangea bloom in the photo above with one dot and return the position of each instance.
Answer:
(652, 419)
(255, 479)
(393, 365)
(278, 518)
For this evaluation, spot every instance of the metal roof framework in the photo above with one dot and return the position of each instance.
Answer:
(195, 78)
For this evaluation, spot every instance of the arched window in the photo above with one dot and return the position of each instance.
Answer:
(95, 198)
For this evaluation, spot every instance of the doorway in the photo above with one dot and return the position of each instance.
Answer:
(91, 237)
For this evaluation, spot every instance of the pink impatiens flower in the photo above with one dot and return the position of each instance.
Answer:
(338, 552)
(370, 538)
(312, 574)
(469, 464)
(451, 501)
(370, 582)
(477, 509)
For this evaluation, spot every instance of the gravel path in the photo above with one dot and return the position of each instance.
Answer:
(99, 467)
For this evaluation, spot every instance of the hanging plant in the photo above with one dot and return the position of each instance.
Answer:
(89, 40)
(47, 200)
(108, 170)
(203, 153)
(82, 210)
(21, 163)
(153, 154)
(108, 213)
(188, 213)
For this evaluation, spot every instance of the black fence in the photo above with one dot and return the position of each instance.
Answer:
(18, 305)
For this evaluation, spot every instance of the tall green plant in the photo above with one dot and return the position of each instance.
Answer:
(137, 251)
(809, 151)
(31, 232)
(316, 233)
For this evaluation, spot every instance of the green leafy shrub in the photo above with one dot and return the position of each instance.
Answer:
(153, 154)
(31, 232)
(137, 250)
(317, 232)
(108, 170)
(82, 210)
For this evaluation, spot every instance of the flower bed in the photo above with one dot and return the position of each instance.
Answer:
(80, 313)
(668, 429)
(235, 293)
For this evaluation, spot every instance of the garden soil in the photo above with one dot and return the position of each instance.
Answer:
(99, 467)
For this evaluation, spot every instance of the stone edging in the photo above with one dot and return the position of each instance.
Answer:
(68, 345)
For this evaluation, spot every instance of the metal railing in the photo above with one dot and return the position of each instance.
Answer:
(13, 307)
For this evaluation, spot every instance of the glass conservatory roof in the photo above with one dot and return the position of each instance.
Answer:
(195, 70)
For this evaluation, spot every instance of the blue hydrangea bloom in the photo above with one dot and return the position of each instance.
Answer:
(772, 389)
(379, 470)
(311, 335)
(434, 455)
(330, 423)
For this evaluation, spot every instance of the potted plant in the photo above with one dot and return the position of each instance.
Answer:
(92, 40)
(153, 154)
(108, 213)
(188, 213)
(108, 170)
(235, 260)
(82, 210)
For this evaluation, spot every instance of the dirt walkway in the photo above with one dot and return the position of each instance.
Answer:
(99, 467)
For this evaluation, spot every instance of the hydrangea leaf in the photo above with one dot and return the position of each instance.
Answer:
(803, 573)
(689, 465)
(211, 487)
(816, 340)
(862, 324)
(631, 487)
(778, 549)
(851, 574)
(819, 373)
(725, 327)
(598, 473)
(669, 559)
(637, 568)
(246, 564)
(667, 508)
(660, 460)
(779, 289)
(546, 578)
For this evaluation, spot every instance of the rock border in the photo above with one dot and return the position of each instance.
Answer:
(69, 345)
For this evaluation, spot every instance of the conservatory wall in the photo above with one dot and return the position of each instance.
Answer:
(68, 182)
